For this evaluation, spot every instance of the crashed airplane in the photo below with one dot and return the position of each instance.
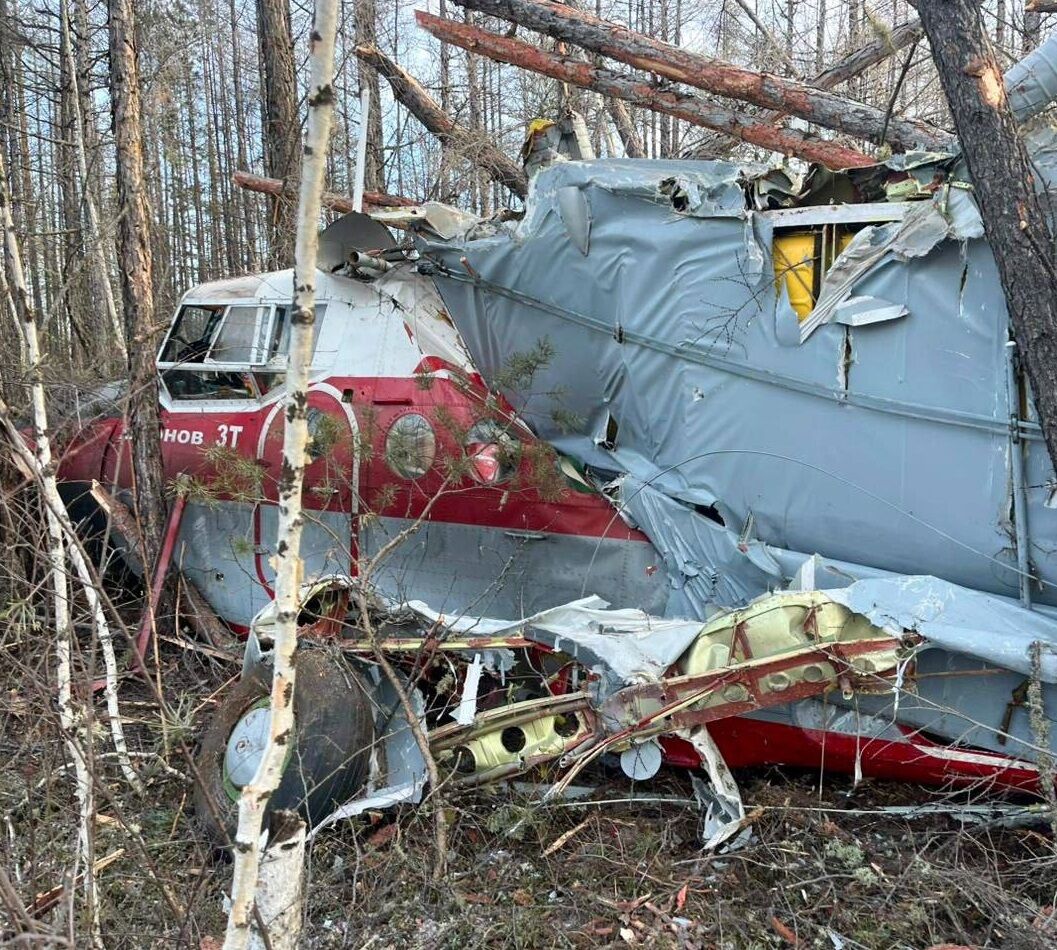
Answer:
(692, 462)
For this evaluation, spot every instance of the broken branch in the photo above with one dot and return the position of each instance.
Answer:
(720, 78)
(340, 203)
(428, 111)
(858, 61)
(690, 108)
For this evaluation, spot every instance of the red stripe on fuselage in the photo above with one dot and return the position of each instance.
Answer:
(451, 405)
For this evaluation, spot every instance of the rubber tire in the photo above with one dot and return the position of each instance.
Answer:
(330, 757)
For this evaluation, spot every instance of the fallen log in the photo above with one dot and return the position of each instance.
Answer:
(340, 203)
(787, 96)
(121, 519)
(494, 163)
(858, 61)
(200, 616)
(690, 108)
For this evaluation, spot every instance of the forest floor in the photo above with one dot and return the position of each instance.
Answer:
(824, 867)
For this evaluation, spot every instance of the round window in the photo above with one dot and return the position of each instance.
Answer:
(410, 446)
(493, 452)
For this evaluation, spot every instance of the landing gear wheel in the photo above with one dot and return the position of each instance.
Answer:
(328, 759)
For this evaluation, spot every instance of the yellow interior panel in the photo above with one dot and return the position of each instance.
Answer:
(794, 263)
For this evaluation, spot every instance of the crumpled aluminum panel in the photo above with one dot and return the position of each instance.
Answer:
(884, 445)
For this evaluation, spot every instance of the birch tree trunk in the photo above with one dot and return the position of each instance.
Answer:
(43, 464)
(287, 561)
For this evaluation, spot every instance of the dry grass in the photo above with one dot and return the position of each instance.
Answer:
(823, 869)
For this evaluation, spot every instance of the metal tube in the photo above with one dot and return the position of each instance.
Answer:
(160, 571)
(361, 148)
(1016, 469)
(1031, 84)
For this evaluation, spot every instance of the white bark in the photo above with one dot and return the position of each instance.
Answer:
(280, 889)
(287, 561)
(58, 518)
(42, 463)
(95, 239)
(57, 510)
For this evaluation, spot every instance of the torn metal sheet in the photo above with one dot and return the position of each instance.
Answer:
(706, 563)
(629, 643)
(424, 316)
(723, 813)
(922, 228)
(699, 391)
(957, 619)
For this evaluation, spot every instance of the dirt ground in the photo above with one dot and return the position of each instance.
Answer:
(824, 866)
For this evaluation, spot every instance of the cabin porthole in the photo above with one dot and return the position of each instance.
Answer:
(410, 446)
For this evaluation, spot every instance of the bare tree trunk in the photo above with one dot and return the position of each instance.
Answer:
(679, 65)
(137, 292)
(367, 35)
(1032, 25)
(69, 720)
(282, 128)
(820, 35)
(195, 152)
(95, 239)
(428, 111)
(288, 564)
(251, 256)
(473, 107)
(1015, 221)
(445, 177)
(72, 296)
(629, 135)
(691, 109)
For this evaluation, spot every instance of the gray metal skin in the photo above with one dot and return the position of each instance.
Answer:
(890, 448)
(484, 571)
(1031, 84)
(885, 445)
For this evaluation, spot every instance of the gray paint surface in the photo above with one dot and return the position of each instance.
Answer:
(885, 445)
(488, 572)
(215, 548)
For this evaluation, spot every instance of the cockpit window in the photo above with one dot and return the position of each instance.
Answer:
(227, 352)
(235, 341)
(191, 334)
